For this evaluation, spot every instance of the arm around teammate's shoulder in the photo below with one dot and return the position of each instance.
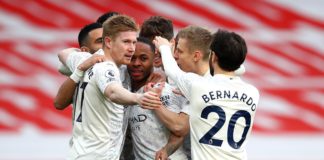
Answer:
(64, 54)
(118, 94)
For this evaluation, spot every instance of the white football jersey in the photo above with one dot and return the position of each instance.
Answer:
(101, 120)
(148, 132)
(73, 60)
(221, 114)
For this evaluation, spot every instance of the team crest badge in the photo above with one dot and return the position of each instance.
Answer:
(109, 74)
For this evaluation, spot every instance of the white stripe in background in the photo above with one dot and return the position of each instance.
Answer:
(276, 61)
(18, 29)
(313, 9)
(228, 12)
(25, 102)
(315, 97)
(8, 120)
(279, 106)
(298, 82)
(303, 56)
(266, 122)
(40, 12)
(78, 8)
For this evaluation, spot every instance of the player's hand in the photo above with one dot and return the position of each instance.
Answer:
(91, 61)
(177, 92)
(156, 77)
(154, 87)
(149, 100)
(161, 154)
(159, 41)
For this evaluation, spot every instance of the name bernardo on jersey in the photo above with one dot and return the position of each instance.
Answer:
(228, 95)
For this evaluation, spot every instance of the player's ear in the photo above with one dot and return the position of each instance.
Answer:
(197, 55)
(85, 49)
(107, 42)
(214, 57)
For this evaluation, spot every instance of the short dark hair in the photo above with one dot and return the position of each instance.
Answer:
(105, 16)
(84, 32)
(230, 49)
(148, 42)
(157, 26)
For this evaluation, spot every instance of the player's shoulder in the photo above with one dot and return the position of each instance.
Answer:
(107, 68)
(79, 55)
(105, 65)
(251, 88)
(194, 77)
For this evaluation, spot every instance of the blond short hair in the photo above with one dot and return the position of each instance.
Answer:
(117, 24)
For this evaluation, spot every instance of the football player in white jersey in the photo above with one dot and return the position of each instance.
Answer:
(148, 133)
(192, 49)
(100, 92)
(90, 40)
(223, 106)
(191, 54)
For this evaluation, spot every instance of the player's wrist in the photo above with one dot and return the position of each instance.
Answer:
(77, 75)
(138, 97)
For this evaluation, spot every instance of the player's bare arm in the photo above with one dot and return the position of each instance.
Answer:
(118, 94)
(174, 142)
(177, 123)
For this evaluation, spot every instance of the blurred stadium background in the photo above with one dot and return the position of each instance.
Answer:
(285, 61)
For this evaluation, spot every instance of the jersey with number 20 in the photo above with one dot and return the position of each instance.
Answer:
(221, 115)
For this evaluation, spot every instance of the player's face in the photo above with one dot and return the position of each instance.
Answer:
(123, 47)
(95, 40)
(141, 65)
(183, 56)
(157, 59)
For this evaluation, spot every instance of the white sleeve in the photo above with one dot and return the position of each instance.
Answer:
(76, 58)
(173, 102)
(64, 70)
(106, 74)
(182, 79)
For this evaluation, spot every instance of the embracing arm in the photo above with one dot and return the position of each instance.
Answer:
(118, 94)
(64, 54)
(177, 123)
(65, 94)
(170, 65)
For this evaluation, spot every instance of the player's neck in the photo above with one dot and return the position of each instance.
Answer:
(202, 68)
(108, 56)
(218, 70)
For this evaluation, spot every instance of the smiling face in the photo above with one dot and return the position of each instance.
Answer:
(141, 65)
(123, 47)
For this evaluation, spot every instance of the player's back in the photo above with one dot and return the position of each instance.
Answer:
(101, 119)
(221, 117)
